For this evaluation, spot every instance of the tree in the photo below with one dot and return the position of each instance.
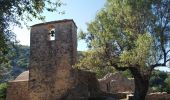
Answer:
(3, 89)
(132, 35)
(12, 12)
(93, 61)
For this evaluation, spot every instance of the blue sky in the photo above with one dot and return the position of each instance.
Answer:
(81, 11)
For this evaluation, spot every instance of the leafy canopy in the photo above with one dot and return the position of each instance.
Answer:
(132, 32)
(133, 35)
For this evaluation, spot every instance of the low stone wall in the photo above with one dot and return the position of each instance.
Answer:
(158, 96)
(152, 96)
(17, 90)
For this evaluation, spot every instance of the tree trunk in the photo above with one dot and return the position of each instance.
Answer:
(141, 85)
(141, 89)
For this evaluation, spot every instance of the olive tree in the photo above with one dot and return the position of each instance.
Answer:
(133, 35)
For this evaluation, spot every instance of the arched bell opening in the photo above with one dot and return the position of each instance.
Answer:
(51, 33)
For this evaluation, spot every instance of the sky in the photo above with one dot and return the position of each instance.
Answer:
(81, 11)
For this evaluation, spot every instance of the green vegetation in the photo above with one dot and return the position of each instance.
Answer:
(157, 81)
(160, 81)
(167, 84)
(130, 35)
(18, 59)
(89, 60)
(3, 88)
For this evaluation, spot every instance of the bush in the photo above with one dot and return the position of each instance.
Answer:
(157, 81)
(3, 88)
(167, 86)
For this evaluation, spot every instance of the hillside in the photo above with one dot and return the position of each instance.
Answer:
(18, 58)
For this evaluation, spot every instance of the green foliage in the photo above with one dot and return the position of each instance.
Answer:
(157, 81)
(126, 29)
(22, 56)
(120, 31)
(140, 53)
(3, 88)
(131, 35)
(160, 82)
(18, 59)
(167, 84)
(92, 61)
(127, 74)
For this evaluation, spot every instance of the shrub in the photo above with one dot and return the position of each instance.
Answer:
(3, 88)
(167, 86)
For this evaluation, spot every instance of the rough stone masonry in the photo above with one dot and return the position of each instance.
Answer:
(51, 60)
(51, 76)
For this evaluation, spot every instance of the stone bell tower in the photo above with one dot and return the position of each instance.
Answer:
(53, 49)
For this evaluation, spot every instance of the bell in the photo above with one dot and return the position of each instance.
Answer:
(52, 33)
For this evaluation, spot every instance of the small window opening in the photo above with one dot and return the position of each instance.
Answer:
(52, 34)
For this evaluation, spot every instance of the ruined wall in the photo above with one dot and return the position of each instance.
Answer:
(86, 85)
(17, 90)
(115, 83)
(158, 96)
(51, 61)
(153, 96)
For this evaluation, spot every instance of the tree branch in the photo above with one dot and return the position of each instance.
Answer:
(119, 68)
(167, 51)
(157, 65)
(167, 60)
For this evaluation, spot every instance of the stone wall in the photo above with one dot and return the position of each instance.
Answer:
(89, 80)
(86, 85)
(51, 76)
(115, 83)
(51, 60)
(153, 96)
(17, 90)
(158, 96)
